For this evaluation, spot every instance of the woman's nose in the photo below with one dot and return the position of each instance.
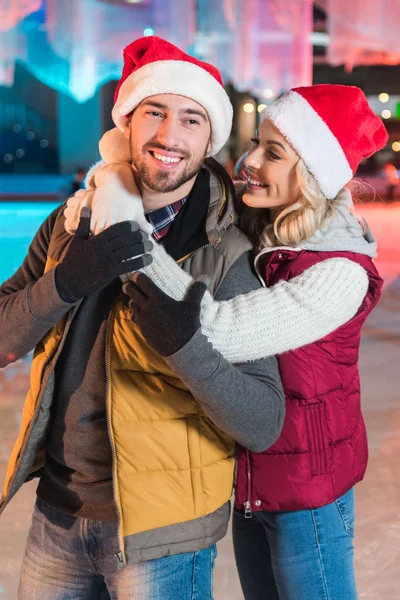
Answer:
(253, 161)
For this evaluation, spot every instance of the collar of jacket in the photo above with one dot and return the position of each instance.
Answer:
(208, 211)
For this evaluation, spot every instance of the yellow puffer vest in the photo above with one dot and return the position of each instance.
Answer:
(171, 463)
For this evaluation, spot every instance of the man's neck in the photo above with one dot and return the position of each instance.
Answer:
(154, 200)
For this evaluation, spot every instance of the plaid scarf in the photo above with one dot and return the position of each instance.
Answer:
(162, 218)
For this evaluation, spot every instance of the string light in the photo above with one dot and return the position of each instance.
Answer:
(386, 114)
(261, 107)
(248, 107)
(396, 146)
(384, 97)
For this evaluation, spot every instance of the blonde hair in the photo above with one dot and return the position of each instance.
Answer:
(295, 223)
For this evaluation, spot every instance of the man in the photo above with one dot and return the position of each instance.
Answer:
(135, 465)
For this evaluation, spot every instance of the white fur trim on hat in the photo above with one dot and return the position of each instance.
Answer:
(184, 79)
(312, 139)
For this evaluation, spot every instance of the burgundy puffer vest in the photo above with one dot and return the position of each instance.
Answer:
(322, 450)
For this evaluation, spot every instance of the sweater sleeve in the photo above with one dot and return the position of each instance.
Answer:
(277, 319)
(29, 301)
(245, 400)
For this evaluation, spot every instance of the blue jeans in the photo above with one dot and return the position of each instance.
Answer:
(70, 558)
(300, 555)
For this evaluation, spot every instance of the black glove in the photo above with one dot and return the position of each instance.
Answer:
(166, 323)
(92, 262)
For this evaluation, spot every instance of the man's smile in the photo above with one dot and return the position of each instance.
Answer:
(166, 161)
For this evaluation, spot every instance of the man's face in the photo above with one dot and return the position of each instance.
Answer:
(169, 137)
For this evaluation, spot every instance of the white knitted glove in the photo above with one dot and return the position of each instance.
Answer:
(117, 199)
(116, 196)
(114, 199)
(73, 209)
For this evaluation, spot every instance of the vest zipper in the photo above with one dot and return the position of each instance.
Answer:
(191, 254)
(247, 505)
(202, 247)
(120, 554)
(49, 361)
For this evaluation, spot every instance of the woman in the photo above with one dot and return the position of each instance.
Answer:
(293, 524)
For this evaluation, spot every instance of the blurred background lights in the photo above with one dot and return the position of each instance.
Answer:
(44, 143)
(261, 107)
(30, 135)
(268, 93)
(386, 114)
(17, 128)
(20, 153)
(248, 107)
(384, 97)
(8, 158)
(148, 31)
(396, 146)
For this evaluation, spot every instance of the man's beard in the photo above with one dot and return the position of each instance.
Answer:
(164, 181)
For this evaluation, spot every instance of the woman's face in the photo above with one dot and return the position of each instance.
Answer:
(271, 165)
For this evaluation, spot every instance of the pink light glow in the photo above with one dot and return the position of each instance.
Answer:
(12, 11)
(363, 32)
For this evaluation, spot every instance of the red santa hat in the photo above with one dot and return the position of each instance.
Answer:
(154, 66)
(332, 128)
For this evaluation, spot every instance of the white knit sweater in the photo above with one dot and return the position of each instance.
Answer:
(272, 320)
